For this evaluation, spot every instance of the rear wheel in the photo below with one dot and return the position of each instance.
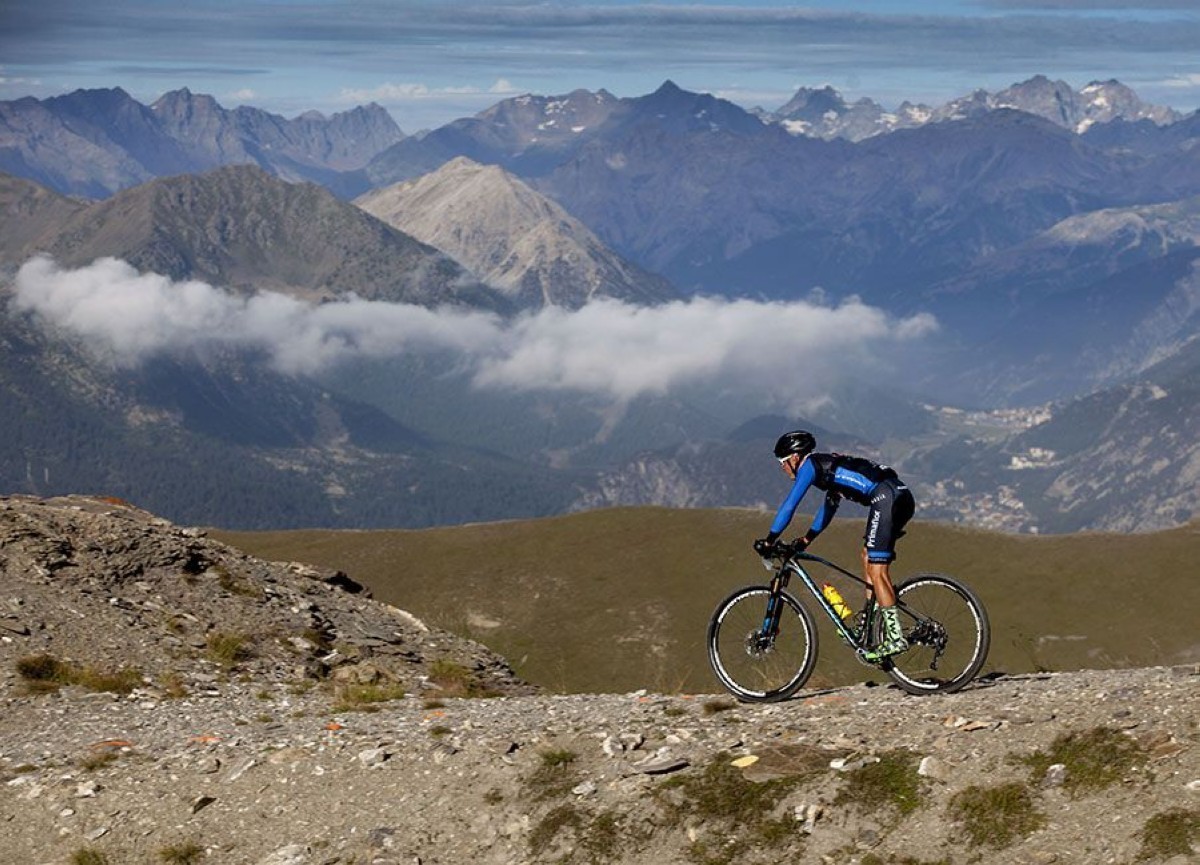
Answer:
(756, 667)
(947, 631)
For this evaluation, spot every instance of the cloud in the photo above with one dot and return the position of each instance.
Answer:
(129, 317)
(625, 351)
(415, 91)
(7, 80)
(1182, 81)
(609, 349)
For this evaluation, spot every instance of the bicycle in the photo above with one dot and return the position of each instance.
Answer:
(762, 642)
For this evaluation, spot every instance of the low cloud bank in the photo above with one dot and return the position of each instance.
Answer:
(607, 348)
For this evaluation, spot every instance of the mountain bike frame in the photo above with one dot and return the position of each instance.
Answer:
(860, 642)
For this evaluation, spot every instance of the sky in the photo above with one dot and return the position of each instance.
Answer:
(431, 61)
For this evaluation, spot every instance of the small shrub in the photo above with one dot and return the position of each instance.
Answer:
(42, 668)
(493, 797)
(173, 686)
(122, 681)
(562, 817)
(558, 757)
(743, 809)
(712, 707)
(1094, 759)
(184, 853)
(893, 781)
(996, 816)
(455, 680)
(602, 837)
(1170, 833)
(228, 650)
(723, 851)
(554, 777)
(44, 673)
(720, 792)
(366, 698)
(88, 856)
(439, 730)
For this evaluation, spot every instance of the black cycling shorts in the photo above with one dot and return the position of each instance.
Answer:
(891, 508)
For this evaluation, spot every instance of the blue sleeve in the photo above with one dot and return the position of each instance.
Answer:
(825, 514)
(787, 510)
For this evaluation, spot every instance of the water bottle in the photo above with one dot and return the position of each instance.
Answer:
(836, 601)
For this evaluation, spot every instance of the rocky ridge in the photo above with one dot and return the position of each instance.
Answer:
(256, 763)
(517, 241)
(824, 113)
(104, 586)
(98, 142)
(242, 229)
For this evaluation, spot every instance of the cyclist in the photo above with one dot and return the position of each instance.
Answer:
(890, 507)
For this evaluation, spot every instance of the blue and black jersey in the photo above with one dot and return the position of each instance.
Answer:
(859, 480)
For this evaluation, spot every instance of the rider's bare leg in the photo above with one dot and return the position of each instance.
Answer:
(877, 574)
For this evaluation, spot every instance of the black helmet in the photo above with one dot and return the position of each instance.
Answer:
(796, 442)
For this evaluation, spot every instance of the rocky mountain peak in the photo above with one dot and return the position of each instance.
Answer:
(184, 102)
(812, 104)
(107, 97)
(683, 111)
(672, 98)
(517, 240)
(547, 121)
(820, 112)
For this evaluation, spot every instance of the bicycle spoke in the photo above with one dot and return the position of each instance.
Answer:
(948, 635)
(759, 667)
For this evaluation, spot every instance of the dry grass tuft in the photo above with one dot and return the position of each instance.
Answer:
(996, 816)
(1094, 759)
(45, 673)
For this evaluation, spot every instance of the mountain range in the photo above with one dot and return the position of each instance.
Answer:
(241, 228)
(824, 113)
(94, 143)
(1057, 251)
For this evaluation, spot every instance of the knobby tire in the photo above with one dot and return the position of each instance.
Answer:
(748, 668)
(964, 625)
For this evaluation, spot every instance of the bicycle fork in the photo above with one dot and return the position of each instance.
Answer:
(770, 626)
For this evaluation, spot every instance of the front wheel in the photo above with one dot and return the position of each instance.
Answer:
(758, 667)
(948, 635)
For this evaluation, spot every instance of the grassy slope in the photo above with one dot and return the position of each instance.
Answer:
(619, 599)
